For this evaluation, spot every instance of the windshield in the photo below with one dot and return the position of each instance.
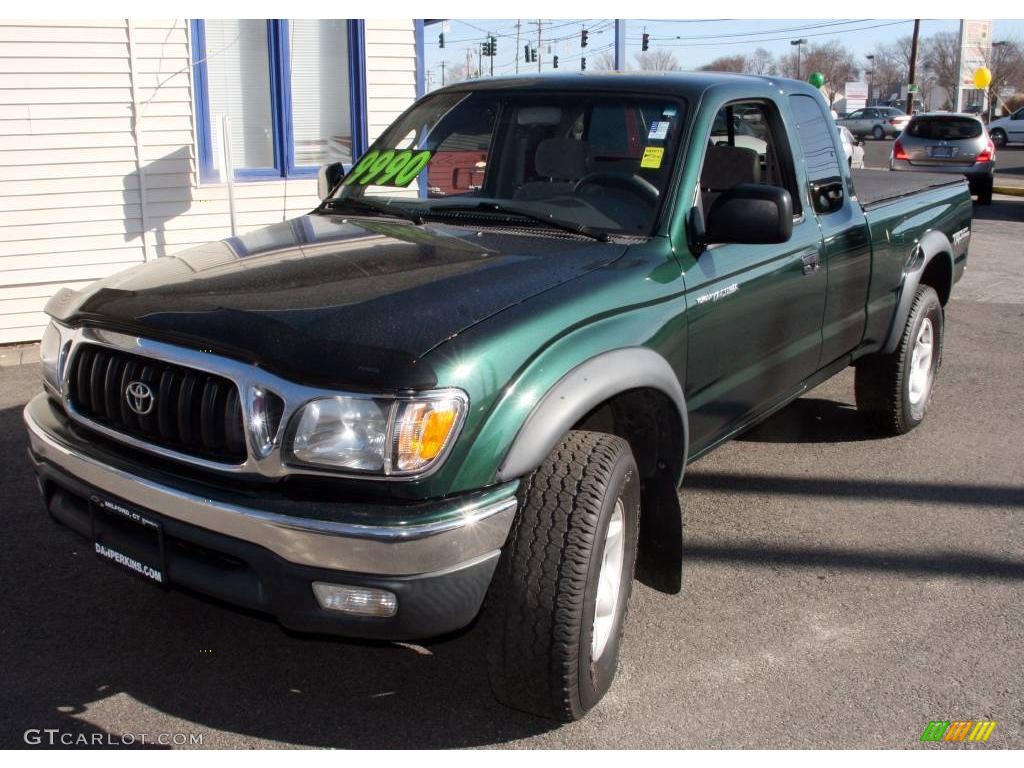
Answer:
(595, 161)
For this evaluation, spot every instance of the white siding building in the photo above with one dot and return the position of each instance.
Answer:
(110, 136)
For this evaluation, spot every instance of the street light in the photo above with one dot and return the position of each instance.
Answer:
(870, 74)
(799, 46)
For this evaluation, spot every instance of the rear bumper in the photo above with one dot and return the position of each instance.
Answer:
(259, 554)
(977, 173)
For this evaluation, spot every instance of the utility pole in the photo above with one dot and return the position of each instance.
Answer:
(540, 50)
(444, 66)
(490, 50)
(871, 76)
(480, 61)
(913, 67)
(518, 24)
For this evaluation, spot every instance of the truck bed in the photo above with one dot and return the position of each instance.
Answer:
(875, 187)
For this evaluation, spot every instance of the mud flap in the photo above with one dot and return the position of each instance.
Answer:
(659, 562)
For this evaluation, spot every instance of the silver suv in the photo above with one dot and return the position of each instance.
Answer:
(946, 142)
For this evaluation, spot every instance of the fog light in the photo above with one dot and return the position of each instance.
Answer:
(361, 601)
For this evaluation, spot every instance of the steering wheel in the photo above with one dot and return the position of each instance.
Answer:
(638, 185)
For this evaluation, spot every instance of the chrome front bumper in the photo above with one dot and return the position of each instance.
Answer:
(458, 533)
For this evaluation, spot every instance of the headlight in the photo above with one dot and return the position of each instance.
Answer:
(377, 435)
(52, 351)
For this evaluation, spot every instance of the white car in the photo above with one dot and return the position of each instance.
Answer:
(1007, 130)
(852, 147)
(744, 134)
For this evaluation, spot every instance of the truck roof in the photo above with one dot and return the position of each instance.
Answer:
(653, 83)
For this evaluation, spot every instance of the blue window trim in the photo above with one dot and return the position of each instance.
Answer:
(280, 102)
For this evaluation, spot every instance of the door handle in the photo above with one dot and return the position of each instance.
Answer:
(811, 261)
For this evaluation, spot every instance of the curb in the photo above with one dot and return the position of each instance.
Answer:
(1001, 190)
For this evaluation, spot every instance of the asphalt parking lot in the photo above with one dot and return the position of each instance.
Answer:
(841, 590)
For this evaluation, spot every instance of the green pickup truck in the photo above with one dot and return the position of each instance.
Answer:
(434, 399)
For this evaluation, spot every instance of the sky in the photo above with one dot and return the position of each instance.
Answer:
(694, 42)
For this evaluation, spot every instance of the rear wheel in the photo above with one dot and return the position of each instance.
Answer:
(558, 599)
(878, 132)
(998, 137)
(894, 391)
(985, 192)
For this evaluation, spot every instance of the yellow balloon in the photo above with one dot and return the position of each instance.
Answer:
(982, 77)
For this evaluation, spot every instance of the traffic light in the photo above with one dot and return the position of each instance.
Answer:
(646, 42)
(583, 38)
(493, 46)
(583, 64)
(554, 62)
(526, 53)
(533, 54)
(440, 40)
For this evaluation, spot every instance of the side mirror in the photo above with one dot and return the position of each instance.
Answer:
(751, 213)
(328, 177)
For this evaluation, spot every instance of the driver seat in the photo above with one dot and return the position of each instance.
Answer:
(560, 163)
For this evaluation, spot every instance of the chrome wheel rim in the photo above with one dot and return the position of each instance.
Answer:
(921, 364)
(609, 581)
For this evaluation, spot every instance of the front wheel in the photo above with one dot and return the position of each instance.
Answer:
(894, 391)
(998, 137)
(558, 599)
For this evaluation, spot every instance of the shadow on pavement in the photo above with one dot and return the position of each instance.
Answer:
(82, 643)
(812, 420)
(903, 490)
(1005, 209)
(922, 563)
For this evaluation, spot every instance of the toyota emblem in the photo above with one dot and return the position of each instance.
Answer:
(139, 397)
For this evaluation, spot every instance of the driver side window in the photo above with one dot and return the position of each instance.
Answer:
(747, 145)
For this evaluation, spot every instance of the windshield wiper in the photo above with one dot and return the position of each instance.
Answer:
(367, 205)
(565, 226)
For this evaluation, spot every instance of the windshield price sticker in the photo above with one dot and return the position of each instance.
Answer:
(388, 168)
(652, 157)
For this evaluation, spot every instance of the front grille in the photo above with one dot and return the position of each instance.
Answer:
(192, 412)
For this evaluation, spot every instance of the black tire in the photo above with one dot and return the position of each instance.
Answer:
(540, 610)
(998, 137)
(878, 132)
(985, 192)
(882, 382)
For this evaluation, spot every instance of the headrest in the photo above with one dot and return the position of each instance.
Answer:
(726, 166)
(561, 159)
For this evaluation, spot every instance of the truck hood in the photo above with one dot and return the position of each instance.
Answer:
(333, 301)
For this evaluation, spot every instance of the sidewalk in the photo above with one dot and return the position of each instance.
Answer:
(1008, 184)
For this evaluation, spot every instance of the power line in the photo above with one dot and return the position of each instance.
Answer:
(774, 39)
(758, 32)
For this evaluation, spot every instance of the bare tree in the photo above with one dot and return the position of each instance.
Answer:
(890, 68)
(940, 56)
(659, 60)
(835, 62)
(737, 63)
(603, 62)
(788, 64)
(1007, 65)
(761, 62)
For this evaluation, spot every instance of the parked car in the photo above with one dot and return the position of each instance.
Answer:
(1008, 130)
(368, 419)
(877, 122)
(852, 147)
(948, 143)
